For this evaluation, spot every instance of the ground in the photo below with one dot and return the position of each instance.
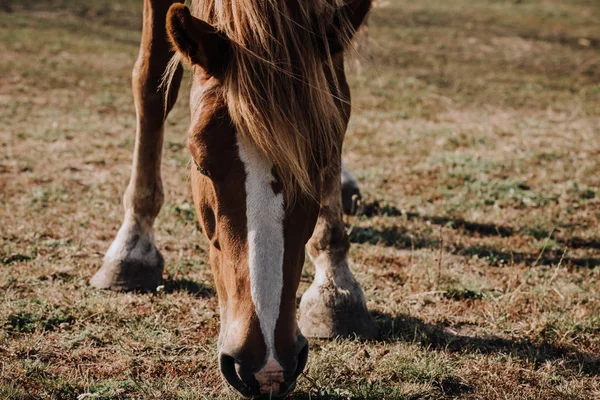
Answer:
(475, 137)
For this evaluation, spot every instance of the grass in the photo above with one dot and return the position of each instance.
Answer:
(475, 137)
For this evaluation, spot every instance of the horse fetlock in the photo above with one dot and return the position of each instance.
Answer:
(132, 262)
(334, 305)
(144, 201)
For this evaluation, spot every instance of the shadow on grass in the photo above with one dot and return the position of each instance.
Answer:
(196, 289)
(451, 387)
(499, 257)
(391, 237)
(402, 238)
(581, 243)
(438, 337)
(297, 395)
(374, 208)
(462, 224)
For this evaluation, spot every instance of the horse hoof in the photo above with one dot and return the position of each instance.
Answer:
(327, 314)
(128, 275)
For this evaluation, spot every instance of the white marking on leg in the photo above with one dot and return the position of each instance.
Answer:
(264, 213)
(338, 276)
(133, 242)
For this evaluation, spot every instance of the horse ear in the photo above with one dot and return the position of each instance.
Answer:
(199, 42)
(355, 12)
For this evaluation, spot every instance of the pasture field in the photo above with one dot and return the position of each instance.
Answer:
(475, 136)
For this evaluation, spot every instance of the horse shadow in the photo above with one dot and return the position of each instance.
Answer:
(549, 257)
(582, 243)
(438, 337)
(441, 338)
(374, 208)
(399, 237)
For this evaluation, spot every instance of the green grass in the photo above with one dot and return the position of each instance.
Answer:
(476, 140)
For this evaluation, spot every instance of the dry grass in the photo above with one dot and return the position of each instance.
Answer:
(476, 138)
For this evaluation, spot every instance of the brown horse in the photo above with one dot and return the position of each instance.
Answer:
(270, 106)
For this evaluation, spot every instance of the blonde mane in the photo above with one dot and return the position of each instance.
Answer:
(276, 85)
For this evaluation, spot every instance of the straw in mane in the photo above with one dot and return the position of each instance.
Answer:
(280, 85)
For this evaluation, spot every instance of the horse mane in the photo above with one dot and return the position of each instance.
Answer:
(280, 85)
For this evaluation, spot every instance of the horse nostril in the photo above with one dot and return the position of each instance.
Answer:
(227, 366)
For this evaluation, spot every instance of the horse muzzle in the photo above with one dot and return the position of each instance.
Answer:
(271, 380)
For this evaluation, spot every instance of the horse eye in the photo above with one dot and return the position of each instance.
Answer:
(200, 169)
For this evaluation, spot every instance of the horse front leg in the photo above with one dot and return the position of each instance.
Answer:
(133, 261)
(334, 305)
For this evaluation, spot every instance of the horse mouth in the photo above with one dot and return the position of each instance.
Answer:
(229, 371)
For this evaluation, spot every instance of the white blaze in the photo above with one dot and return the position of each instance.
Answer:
(264, 214)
